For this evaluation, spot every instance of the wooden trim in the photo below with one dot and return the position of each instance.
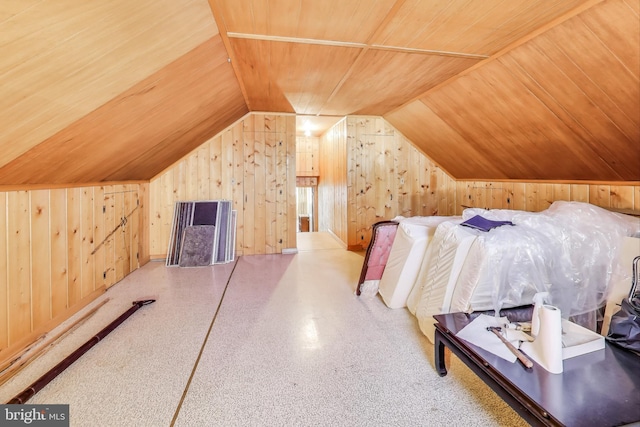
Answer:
(538, 181)
(428, 52)
(295, 40)
(28, 187)
(34, 351)
(343, 244)
(12, 351)
(632, 212)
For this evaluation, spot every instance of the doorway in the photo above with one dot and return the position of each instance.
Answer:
(305, 209)
(307, 204)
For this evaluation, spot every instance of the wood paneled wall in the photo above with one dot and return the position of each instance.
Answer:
(535, 197)
(369, 173)
(307, 156)
(332, 184)
(61, 248)
(251, 163)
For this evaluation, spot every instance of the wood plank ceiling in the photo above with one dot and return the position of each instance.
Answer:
(489, 89)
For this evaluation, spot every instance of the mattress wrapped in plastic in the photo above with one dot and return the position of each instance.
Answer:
(404, 261)
(569, 250)
(443, 264)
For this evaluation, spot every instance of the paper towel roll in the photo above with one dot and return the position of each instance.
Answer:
(546, 349)
(538, 301)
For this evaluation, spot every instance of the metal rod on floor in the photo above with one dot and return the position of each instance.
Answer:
(41, 382)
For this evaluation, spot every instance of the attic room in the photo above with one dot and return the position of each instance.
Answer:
(113, 112)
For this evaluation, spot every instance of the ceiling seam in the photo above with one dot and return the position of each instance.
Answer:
(385, 22)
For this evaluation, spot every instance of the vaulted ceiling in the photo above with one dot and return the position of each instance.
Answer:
(489, 89)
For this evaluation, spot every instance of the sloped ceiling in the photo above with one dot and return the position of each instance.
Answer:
(489, 89)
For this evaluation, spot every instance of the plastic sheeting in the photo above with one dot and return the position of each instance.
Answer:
(569, 250)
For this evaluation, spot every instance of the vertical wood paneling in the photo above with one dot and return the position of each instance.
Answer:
(48, 268)
(74, 244)
(123, 248)
(580, 193)
(359, 183)
(386, 163)
(260, 184)
(281, 174)
(362, 162)
(88, 260)
(600, 195)
(215, 164)
(192, 177)
(19, 265)
(336, 185)
(109, 244)
(120, 258)
(249, 207)
(4, 286)
(144, 223)
(59, 252)
(99, 234)
(237, 134)
(168, 195)
(271, 182)
(402, 175)
(561, 192)
(221, 154)
(203, 172)
(41, 258)
(290, 183)
(250, 163)
(621, 197)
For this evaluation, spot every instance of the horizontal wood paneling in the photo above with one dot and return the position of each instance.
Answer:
(52, 251)
(62, 60)
(143, 130)
(252, 164)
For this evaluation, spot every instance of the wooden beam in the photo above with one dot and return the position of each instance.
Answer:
(222, 28)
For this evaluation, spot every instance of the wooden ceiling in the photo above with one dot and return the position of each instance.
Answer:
(489, 89)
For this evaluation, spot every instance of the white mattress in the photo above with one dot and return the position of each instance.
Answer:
(449, 250)
(466, 270)
(467, 293)
(407, 252)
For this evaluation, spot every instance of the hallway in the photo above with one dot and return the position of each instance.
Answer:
(268, 340)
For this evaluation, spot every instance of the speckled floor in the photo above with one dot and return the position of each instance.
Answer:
(273, 340)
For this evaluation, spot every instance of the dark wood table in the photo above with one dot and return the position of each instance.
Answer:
(600, 388)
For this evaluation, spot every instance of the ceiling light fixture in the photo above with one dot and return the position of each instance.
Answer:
(307, 128)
